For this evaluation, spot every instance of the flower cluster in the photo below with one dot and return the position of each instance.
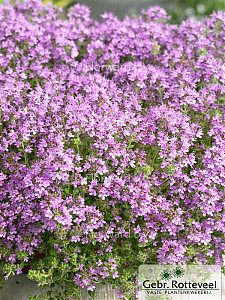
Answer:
(112, 144)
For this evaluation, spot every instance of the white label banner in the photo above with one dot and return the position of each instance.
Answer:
(180, 282)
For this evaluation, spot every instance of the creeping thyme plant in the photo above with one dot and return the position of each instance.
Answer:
(112, 145)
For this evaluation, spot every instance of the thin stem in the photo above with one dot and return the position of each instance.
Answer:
(25, 155)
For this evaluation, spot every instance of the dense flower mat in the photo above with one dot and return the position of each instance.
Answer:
(112, 145)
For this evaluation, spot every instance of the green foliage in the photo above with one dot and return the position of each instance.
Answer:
(195, 9)
(60, 3)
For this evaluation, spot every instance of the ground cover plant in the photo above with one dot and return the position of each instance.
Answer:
(112, 145)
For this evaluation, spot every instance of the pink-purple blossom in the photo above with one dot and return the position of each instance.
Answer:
(112, 142)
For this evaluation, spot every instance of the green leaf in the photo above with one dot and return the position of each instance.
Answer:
(31, 297)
